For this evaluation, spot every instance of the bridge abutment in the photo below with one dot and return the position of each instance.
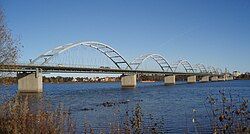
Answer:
(205, 79)
(191, 79)
(30, 82)
(128, 81)
(169, 80)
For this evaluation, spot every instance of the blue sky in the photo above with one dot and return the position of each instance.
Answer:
(212, 32)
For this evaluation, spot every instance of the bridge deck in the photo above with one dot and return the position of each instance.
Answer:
(64, 69)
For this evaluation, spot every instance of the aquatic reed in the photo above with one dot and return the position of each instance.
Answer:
(17, 117)
(228, 115)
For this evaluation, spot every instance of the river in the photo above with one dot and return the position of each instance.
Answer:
(172, 108)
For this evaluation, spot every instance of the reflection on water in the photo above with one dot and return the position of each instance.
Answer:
(104, 106)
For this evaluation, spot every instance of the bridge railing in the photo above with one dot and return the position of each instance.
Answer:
(100, 67)
(68, 65)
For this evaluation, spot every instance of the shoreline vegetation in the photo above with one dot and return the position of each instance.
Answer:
(16, 116)
(60, 79)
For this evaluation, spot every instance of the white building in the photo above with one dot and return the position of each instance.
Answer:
(74, 80)
(236, 73)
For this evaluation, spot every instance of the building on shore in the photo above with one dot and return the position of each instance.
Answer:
(236, 73)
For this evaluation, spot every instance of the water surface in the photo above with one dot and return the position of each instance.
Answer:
(170, 106)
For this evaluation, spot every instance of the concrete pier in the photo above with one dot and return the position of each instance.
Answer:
(30, 82)
(191, 79)
(214, 78)
(205, 79)
(128, 81)
(221, 78)
(169, 80)
(230, 78)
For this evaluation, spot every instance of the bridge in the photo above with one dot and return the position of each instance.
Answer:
(29, 75)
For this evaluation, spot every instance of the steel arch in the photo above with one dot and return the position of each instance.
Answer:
(187, 66)
(160, 60)
(212, 70)
(105, 49)
(219, 71)
(201, 68)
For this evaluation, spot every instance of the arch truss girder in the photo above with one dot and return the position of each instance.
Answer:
(160, 60)
(213, 70)
(201, 68)
(219, 71)
(187, 66)
(108, 51)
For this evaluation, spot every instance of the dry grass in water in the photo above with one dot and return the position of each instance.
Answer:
(228, 115)
(17, 117)
(133, 122)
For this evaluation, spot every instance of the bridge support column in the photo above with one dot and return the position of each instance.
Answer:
(191, 79)
(225, 77)
(128, 81)
(230, 78)
(214, 78)
(169, 80)
(221, 78)
(205, 79)
(30, 82)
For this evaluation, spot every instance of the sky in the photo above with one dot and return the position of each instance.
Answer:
(213, 32)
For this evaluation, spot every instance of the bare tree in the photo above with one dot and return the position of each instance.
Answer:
(8, 45)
